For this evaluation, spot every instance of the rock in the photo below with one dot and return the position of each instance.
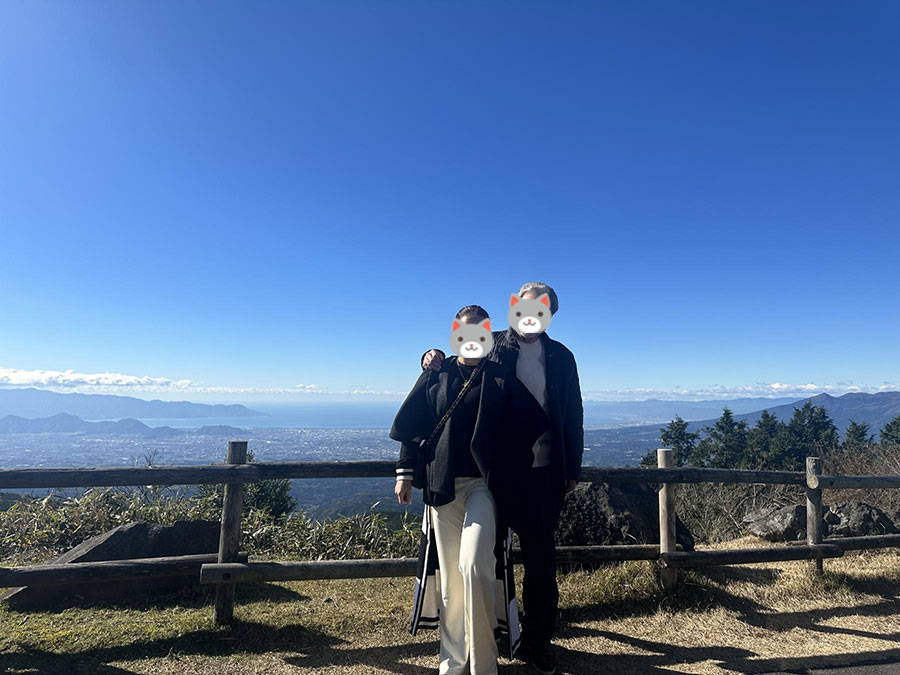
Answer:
(786, 523)
(857, 519)
(851, 519)
(134, 540)
(599, 514)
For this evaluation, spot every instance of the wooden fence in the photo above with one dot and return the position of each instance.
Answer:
(232, 566)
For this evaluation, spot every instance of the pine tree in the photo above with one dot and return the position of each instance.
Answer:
(810, 433)
(890, 433)
(677, 437)
(725, 445)
(857, 439)
(760, 440)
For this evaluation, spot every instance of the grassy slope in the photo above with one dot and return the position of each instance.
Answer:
(748, 619)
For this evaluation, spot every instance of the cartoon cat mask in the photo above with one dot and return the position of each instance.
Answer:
(471, 340)
(528, 316)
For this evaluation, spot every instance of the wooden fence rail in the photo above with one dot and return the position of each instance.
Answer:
(231, 567)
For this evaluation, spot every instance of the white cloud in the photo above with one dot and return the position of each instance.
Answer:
(73, 381)
(757, 390)
(70, 379)
(308, 388)
(370, 391)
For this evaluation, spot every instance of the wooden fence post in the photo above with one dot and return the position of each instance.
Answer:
(230, 534)
(814, 509)
(665, 460)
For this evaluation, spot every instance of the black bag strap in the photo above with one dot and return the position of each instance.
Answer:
(462, 392)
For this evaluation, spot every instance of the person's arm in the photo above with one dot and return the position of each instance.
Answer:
(406, 466)
(410, 427)
(574, 430)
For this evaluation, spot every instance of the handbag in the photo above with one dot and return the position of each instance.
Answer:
(418, 480)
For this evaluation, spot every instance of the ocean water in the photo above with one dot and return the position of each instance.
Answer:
(369, 415)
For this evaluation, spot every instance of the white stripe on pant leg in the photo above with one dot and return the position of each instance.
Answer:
(477, 566)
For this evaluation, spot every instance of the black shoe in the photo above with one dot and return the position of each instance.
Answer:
(542, 659)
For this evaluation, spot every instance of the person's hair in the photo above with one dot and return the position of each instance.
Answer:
(477, 311)
(539, 288)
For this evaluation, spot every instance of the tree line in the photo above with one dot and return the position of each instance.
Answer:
(771, 444)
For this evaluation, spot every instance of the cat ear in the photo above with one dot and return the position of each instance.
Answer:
(513, 299)
(486, 324)
(545, 299)
(456, 324)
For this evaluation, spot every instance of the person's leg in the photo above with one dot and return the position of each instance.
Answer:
(537, 536)
(448, 523)
(477, 565)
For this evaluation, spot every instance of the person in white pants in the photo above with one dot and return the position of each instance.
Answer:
(465, 533)
(480, 423)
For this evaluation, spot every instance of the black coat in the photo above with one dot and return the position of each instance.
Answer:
(508, 422)
(564, 394)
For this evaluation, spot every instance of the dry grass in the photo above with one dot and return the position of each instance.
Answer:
(744, 619)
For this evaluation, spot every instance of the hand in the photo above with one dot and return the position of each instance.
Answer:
(403, 490)
(570, 485)
(432, 359)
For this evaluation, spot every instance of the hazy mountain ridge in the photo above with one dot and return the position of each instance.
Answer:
(652, 411)
(65, 423)
(876, 410)
(40, 403)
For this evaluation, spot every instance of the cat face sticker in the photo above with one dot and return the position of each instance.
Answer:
(471, 340)
(528, 315)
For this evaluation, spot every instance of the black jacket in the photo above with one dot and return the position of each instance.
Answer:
(508, 422)
(564, 394)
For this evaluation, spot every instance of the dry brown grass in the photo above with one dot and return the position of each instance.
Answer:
(744, 619)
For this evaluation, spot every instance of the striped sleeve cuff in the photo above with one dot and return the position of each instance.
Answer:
(405, 474)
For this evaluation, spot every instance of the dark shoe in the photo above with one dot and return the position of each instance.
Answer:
(542, 659)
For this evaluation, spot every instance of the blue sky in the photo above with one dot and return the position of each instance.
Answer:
(227, 200)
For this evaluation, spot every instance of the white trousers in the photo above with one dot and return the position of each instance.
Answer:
(465, 532)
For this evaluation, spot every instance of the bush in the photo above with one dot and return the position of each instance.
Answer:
(713, 512)
(36, 529)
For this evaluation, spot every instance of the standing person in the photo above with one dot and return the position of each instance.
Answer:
(548, 370)
(478, 423)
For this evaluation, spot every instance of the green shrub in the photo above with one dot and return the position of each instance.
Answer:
(36, 529)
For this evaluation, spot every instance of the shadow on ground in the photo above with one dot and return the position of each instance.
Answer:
(310, 649)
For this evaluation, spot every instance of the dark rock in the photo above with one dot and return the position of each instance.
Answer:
(134, 540)
(786, 523)
(857, 519)
(599, 514)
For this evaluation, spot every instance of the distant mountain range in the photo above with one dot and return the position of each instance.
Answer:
(34, 403)
(876, 410)
(652, 411)
(65, 423)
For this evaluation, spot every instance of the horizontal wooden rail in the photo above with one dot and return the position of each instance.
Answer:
(248, 473)
(573, 555)
(861, 543)
(107, 570)
(853, 482)
(104, 476)
(740, 556)
(689, 475)
(305, 570)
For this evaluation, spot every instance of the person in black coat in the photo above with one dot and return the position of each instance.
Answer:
(536, 507)
(468, 472)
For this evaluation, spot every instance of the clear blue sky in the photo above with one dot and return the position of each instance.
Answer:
(260, 195)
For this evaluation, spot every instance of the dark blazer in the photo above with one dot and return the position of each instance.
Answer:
(564, 394)
(508, 422)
